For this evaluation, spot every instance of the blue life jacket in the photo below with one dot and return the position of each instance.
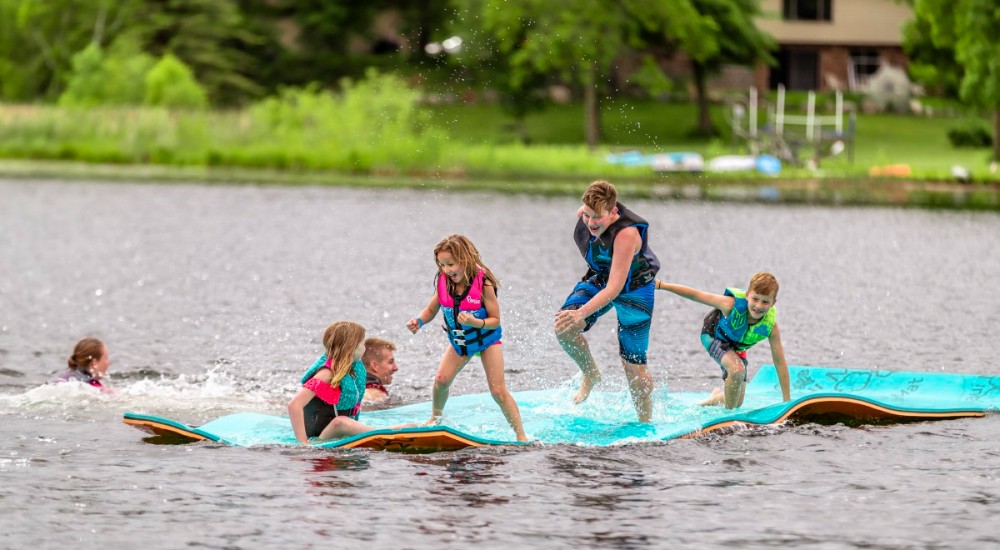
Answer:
(466, 340)
(598, 251)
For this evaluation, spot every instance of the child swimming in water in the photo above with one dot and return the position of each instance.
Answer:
(88, 364)
(467, 291)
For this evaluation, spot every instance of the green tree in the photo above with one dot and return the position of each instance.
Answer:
(113, 78)
(482, 62)
(970, 29)
(212, 37)
(86, 84)
(930, 65)
(38, 39)
(170, 83)
(316, 35)
(579, 40)
(733, 39)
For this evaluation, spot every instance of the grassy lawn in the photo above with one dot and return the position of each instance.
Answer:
(625, 124)
(476, 140)
(880, 139)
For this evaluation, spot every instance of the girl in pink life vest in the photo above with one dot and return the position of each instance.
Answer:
(467, 292)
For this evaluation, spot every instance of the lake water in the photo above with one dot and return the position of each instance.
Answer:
(213, 300)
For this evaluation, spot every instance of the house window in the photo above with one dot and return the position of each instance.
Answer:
(807, 10)
(798, 69)
(865, 61)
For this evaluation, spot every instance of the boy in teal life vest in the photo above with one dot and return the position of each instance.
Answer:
(740, 320)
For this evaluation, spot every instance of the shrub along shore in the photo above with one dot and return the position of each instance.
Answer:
(378, 133)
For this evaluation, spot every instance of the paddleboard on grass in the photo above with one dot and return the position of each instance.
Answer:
(608, 418)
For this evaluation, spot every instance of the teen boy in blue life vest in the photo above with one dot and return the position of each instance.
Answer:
(740, 320)
(622, 268)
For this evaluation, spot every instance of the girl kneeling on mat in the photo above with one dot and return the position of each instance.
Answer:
(329, 402)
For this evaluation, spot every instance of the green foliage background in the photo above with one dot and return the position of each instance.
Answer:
(282, 84)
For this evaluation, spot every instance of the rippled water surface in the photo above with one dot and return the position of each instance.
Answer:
(213, 299)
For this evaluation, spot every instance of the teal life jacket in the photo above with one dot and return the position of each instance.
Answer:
(735, 327)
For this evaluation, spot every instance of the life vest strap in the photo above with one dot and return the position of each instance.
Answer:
(323, 390)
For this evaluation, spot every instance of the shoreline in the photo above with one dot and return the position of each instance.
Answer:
(813, 191)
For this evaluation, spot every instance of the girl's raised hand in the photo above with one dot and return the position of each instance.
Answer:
(414, 325)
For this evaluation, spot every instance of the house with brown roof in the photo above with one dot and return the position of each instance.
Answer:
(831, 44)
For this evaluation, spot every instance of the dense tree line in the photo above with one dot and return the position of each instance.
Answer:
(233, 52)
(101, 51)
(236, 49)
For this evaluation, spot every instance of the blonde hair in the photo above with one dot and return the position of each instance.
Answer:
(600, 196)
(85, 353)
(340, 340)
(376, 346)
(466, 256)
(764, 283)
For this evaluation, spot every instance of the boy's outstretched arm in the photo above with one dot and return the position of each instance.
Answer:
(718, 301)
(780, 365)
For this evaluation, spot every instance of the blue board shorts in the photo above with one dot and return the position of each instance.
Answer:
(635, 312)
(717, 347)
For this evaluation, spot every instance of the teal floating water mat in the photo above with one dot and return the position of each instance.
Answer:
(608, 418)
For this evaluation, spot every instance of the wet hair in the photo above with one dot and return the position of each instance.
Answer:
(764, 283)
(466, 256)
(376, 347)
(600, 197)
(340, 340)
(85, 353)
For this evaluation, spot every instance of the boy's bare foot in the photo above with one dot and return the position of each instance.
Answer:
(586, 385)
(717, 398)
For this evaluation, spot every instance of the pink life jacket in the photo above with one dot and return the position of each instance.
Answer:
(466, 340)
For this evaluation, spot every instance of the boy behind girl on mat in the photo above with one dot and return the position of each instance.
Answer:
(740, 320)
(379, 360)
(614, 241)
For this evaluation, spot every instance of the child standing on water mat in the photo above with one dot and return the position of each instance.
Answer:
(614, 241)
(467, 291)
(741, 318)
(329, 402)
